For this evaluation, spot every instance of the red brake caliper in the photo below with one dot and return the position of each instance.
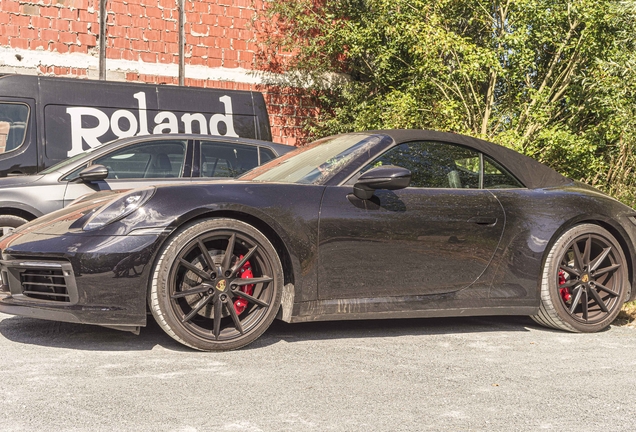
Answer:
(565, 292)
(246, 272)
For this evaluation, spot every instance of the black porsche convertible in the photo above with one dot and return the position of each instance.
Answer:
(381, 224)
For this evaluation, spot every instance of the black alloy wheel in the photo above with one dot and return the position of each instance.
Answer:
(217, 285)
(584, 281)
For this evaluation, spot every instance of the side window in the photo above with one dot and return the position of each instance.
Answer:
(434, 164)
(220, 159)
(13, 125)
(496, 177)
(266, 155)
(155, 159)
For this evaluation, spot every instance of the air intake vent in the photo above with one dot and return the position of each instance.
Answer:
(44, 285)
(39, 281)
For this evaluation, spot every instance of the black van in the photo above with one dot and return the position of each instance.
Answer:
(44, 120)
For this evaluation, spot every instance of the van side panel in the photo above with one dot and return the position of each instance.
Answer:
(75, 115)
(227, 113)
(83, 114)
(19, 86)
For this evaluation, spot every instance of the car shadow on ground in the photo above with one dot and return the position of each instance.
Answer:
(94, 338)
(385, 328)
(83, 336)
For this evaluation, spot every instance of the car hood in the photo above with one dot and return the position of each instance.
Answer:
(14, 181)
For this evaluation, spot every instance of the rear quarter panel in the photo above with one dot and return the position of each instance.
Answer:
(535, 218)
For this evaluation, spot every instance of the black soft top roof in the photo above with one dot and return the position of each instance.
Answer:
(531, 173)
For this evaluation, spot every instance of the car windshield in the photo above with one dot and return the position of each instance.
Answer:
(314, 163)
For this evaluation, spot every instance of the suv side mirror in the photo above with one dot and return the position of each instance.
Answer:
(93, 173)
(389, 177)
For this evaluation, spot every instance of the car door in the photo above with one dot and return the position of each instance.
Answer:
(436, 236)
(148, 163)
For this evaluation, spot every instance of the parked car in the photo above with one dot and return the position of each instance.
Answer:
(126, 164)
(44, 120)
(383, 224)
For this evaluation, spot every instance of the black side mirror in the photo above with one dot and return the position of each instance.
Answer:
(93, 173)
(389, 177)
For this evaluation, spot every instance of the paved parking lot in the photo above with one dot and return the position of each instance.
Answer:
(429, 374)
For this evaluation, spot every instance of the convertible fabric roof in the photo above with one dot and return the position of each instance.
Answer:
(531, 173)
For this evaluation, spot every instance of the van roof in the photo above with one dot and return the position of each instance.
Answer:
(28, 79)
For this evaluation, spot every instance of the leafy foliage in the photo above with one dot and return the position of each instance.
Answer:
(554, 80)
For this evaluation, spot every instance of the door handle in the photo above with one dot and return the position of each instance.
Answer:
(483, 220)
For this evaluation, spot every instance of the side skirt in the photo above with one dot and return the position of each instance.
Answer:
(432, 313)
(411, 307)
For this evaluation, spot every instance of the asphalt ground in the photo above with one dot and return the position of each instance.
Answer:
(494, 374)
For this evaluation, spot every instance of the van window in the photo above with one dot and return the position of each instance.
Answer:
(13, 124)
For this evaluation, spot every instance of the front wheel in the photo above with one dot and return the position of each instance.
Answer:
(584, 283)
(216, 285)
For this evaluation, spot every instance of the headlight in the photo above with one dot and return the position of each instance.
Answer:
(119, 208)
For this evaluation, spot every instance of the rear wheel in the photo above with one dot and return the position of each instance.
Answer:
(217, 285)
(585, 277)
(9, 222)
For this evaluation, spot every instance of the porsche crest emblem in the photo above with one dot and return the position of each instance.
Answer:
(585, 278)
(221, 285)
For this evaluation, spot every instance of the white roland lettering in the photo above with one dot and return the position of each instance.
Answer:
(164, 122)
(90, 135)
(143, 118)
(132, 123)
(225, 118)
(187, 120)
(170, 126)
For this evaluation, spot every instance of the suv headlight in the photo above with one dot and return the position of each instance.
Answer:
(118, 208)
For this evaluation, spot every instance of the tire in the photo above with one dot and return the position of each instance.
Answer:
(8, 222)
(584, 282)
(205, 301)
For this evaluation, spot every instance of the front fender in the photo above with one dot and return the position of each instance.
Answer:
(7, 206)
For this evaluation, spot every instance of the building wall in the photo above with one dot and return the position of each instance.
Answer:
(60, 38)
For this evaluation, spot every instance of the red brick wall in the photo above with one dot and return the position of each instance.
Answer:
(54, 25)
(219, 34)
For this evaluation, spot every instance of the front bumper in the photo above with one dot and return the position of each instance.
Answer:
(79, 278)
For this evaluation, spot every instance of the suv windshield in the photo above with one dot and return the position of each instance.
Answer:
(314, 163)
(58, 166)
(64, 163)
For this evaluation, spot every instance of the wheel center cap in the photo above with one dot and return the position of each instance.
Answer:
(585, 278)
(221, 285)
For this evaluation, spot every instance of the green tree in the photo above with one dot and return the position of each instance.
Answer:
(552, 79)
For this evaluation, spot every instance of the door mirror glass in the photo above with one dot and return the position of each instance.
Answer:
(384, 177)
